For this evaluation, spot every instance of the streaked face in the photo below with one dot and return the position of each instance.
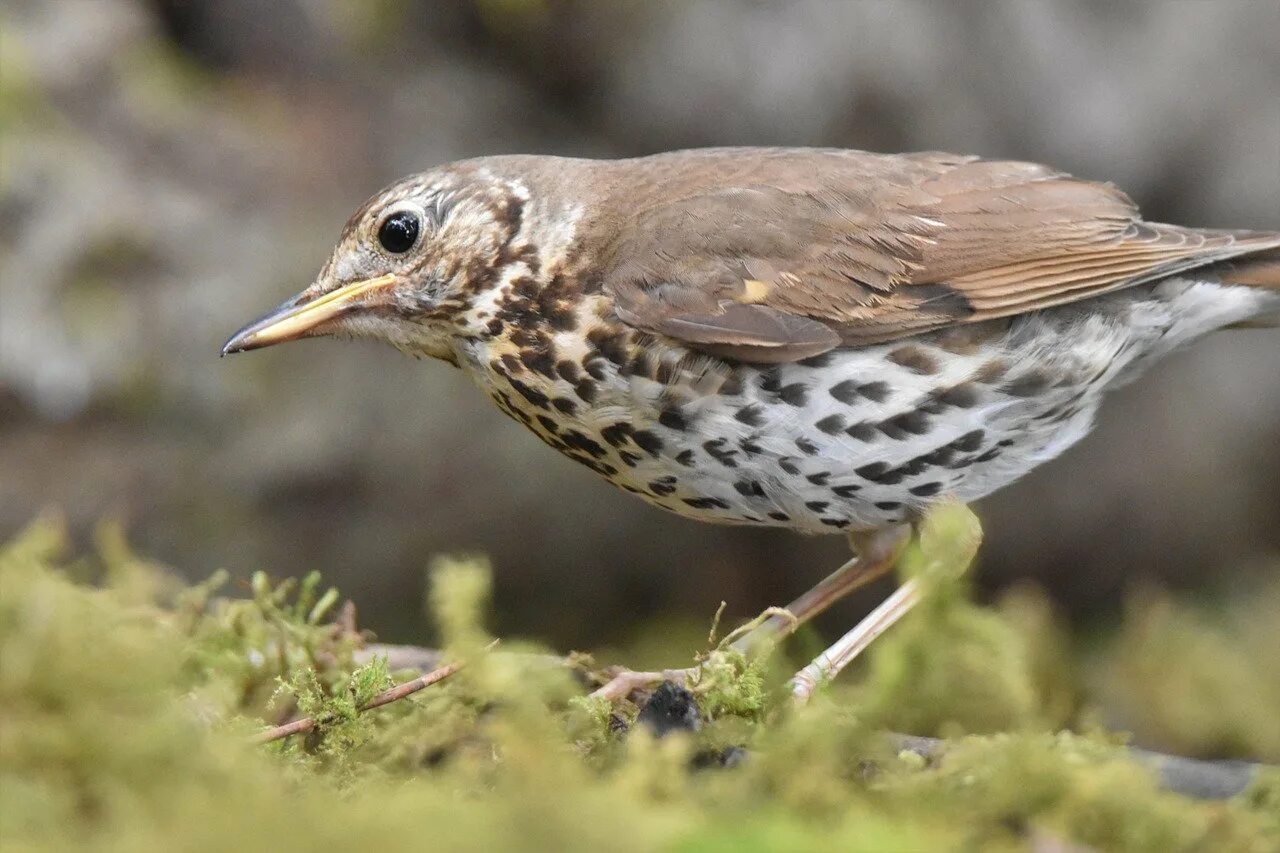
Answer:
(406, 267)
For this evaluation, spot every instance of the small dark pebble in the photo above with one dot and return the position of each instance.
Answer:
(732, 756)
(671, 708)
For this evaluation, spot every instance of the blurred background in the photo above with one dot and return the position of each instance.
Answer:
(171, 168)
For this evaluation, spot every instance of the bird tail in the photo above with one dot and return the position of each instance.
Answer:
(1261, 270)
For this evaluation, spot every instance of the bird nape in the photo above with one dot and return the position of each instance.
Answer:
(824, 340)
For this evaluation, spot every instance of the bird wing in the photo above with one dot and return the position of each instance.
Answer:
(774, 256)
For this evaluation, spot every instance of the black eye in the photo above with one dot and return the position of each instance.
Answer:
(399, 232)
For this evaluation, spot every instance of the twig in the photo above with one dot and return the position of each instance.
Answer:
(386, 697)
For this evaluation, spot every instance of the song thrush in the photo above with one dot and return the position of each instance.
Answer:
(823, 340)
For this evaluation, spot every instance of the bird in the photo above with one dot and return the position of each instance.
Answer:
(827, 340)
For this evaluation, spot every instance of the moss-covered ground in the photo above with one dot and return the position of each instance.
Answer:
(129, 703)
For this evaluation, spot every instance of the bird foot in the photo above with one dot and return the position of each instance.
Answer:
(624, 682)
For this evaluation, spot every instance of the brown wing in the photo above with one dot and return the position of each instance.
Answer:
(774, 256)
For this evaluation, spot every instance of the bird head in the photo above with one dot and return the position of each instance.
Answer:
(409, 264)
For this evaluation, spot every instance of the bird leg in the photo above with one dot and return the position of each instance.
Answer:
(876, 553)
(842, 652)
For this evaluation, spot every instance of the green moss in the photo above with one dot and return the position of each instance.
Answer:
(1202, 684)
(128, 707)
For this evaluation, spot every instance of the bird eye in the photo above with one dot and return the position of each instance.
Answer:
(399, 232)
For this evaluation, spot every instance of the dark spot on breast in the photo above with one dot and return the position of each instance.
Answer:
(569, 370)
(533, 395)
(732, 384)
(846, 491)
(715, 449)
(817, 506)
(989, 455)
(1027, 385)
(641, 364)
(617, 434)
(579, 441)
(628, 458)
(969, 441)
(548, 424)
(819, 360)
(846, 392)
(595, 365)
(771, 380)
(880, 472)
(511, 364)
(648, 441)
(787, 464)
(752, 415)
(877, 392)
(749, 488)
(610, 343)
(706, 503)
(820, 478)
(962, 396)
(586, 391)
(779, 516)
(685, 458)
(494, 326)
(838, 523)
(673, 419)
(806, 447)
(540, 361)
(888, 505)
(991, 371)
(665, 372)
(565, 405)
(795, 394)
(831, 424)
(864, 431)
(750, 447)
(915, 358)
(926, 490)
(662, 488)
(912, 423)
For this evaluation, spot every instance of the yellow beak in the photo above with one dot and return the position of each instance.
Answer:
(294, 320)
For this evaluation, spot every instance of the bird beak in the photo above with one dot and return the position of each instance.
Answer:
(297, 318)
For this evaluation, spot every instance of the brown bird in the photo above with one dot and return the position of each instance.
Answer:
(825, 340)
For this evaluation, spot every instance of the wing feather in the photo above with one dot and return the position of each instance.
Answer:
(776, 255)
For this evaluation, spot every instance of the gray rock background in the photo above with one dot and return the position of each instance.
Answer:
(171, 168)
